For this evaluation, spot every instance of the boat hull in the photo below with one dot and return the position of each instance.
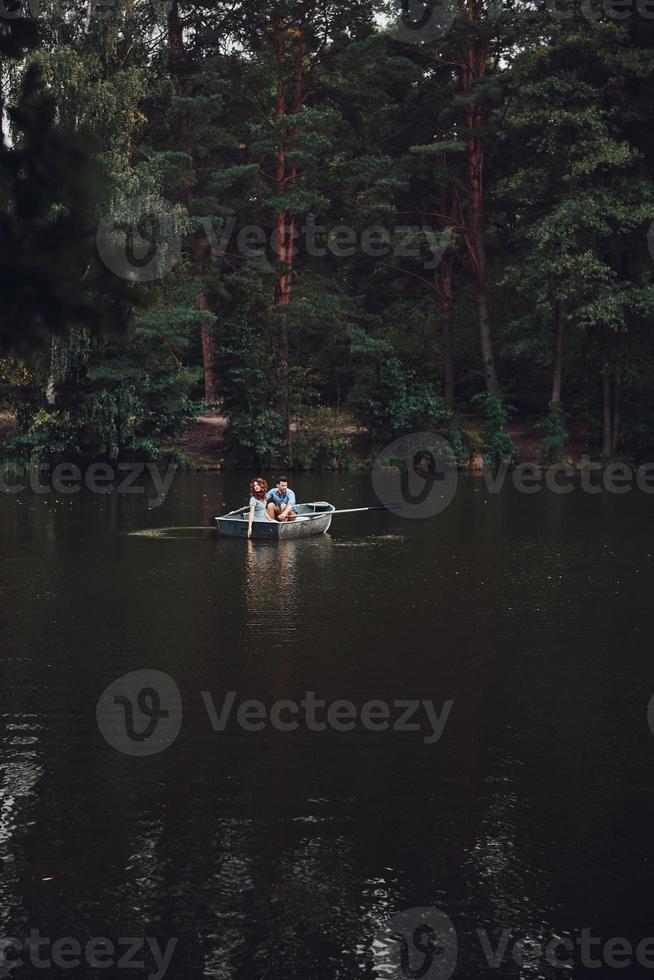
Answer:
(314, 518)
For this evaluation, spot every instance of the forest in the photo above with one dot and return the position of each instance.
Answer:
(329, 223)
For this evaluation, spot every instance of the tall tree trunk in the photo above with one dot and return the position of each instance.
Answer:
(286, 176)
(474, 67)
(283, 292)
(178, 70)
(557, 381)
(208, 338)
(617, 411)
(446, 302)
(478, 253)
(488, 357)
(51, 384)
(176, 51)
(284, 269)
(607, 440)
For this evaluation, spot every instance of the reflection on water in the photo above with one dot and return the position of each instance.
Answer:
(271, 580)
(20, 771)
(168, 533)
(367, 540)
(282, 856)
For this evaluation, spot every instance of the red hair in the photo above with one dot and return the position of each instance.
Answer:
(262, 493)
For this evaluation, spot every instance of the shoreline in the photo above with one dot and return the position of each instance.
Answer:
(201, 447)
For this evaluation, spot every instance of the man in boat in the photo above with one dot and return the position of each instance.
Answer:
(281, 502)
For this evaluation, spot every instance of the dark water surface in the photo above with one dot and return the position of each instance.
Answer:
(281, 856)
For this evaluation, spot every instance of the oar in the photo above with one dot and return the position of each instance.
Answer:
(361, 510)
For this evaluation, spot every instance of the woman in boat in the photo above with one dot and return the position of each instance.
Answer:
(258, 494)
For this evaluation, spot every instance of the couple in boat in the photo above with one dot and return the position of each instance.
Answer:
(271, 505)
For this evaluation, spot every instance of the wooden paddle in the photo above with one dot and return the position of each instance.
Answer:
(360, 510)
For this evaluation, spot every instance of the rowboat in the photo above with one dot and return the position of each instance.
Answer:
(314, 518)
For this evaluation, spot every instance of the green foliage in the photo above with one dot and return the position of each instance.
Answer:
(460, 444)
(52, 435)
(49, 276)
(181, 462)
(379, 138)
(498, 446)
(389, 401)
(556, 434)
(109, 420)
(18, 35)
(108, 423)
(250, 395)
(255, 438)
(320, 443)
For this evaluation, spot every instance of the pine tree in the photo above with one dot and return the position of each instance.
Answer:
(583, 200)
(50, 185)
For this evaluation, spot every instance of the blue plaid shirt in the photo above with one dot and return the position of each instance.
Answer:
(281, 499)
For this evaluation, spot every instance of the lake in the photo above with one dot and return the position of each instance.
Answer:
(506, 818)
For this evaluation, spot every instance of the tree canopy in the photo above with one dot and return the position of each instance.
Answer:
(318, 218)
